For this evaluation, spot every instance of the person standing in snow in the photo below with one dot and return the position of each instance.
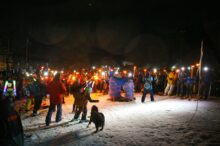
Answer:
(180, 83)
(82, 98)
(38, 91)
(171, 79)
(189, 86)
(56, 90)
(9, 90)
(205, 85)
(129, 89)
(148, 87)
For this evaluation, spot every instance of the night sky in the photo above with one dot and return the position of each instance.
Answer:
(86, 32)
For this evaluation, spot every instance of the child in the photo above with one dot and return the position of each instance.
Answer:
(81, 101)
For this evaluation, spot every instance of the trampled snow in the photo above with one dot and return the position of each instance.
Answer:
(167, 121)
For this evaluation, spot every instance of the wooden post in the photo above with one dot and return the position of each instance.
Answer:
(200, 67)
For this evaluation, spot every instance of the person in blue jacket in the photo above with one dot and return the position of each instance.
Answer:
(148, 87)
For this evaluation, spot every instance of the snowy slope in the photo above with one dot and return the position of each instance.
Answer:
(168, 121)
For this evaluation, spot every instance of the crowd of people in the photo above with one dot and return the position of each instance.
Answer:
(46, 83)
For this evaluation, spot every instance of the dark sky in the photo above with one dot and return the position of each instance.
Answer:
(88, 32)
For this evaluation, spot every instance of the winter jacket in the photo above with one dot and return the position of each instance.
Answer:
(37, 89)
(148, 85)
(11, 133)
(171, 78)
(56, 89)
(182, 76)
(190, 80)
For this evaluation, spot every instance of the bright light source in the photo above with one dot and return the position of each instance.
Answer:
(103, 73)
(145, 70)
(205, 68)
(116, 73)
(192, 66)
(62, 72)
(173, 67)
(155, 70)
(27, 74)
(96, 77)
(177, 70)
(46, 73)
(55, 72)
(182, 68)
(93, 67)
(73, 78)
(124, 71)
(129, 74)
(100, 70)
(188, 68)
(197, 64)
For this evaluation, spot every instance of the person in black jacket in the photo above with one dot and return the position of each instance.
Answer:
(11, 133)
(38, 91)
(148, 87)
(81, 101)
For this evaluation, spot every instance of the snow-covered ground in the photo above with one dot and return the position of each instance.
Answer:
(167, 121)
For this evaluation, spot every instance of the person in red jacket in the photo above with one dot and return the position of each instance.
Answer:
(56, 90)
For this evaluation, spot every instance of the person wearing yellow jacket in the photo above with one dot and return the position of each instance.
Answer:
(171, 79)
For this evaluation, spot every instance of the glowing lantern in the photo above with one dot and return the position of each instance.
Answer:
(46, 73)
(129, 74)
(124, 71)
(103, 73)
(96, 77)
(27, 74)
(205, 68)
(73, 78)
(55, 72)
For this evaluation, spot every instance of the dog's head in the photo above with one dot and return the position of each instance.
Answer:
(94, 109)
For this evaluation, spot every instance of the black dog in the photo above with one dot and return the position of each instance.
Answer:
(97, 118)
